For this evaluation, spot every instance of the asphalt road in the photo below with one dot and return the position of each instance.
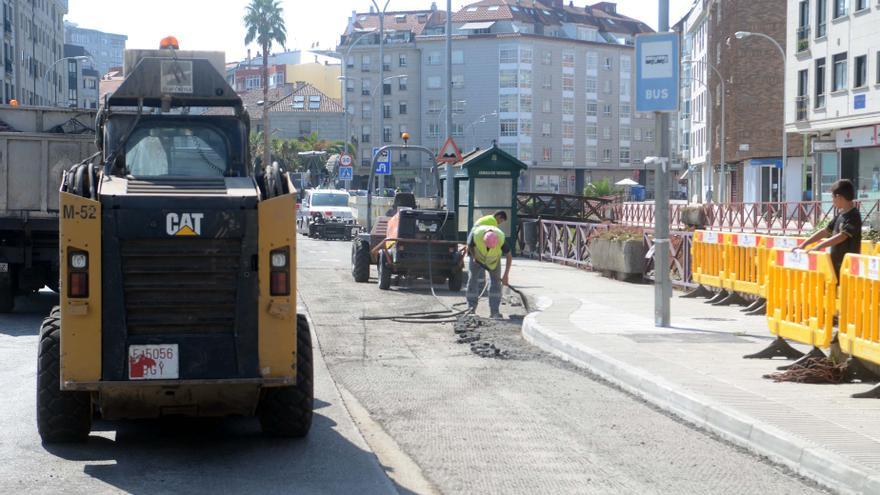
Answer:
(172, 456)
(529, 423)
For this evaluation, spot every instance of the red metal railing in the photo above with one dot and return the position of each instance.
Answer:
(762, 218)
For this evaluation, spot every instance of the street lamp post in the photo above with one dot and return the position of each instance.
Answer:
(745, 34)
(381, 65)
(80, 58)
(342, 80)
(473, 125)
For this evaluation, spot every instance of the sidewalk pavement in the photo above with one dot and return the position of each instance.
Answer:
(695, 370)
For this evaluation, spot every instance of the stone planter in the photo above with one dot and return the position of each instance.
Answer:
(621, 259)
(693, 216)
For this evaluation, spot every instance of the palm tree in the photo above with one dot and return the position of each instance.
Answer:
(265, 25)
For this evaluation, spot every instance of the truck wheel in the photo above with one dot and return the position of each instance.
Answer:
(455, 281)
(61, 416)
(360, 261)
(384, 272)
(287, 411)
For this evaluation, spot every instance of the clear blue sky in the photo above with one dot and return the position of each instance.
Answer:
(217, 24)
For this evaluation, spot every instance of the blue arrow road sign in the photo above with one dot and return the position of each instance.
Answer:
(657, 72)
(346, 173)
(383, 164)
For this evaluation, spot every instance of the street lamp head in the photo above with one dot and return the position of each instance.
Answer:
(742, 34)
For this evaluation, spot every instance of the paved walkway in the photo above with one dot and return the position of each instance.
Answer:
(696, 371)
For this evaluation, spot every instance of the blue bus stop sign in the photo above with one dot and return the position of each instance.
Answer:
(657, 72)
(383, 164)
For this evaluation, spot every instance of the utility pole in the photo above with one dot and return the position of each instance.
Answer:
(450, 171)
(662, 283)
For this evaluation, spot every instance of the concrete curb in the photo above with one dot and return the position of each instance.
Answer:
(824, 467)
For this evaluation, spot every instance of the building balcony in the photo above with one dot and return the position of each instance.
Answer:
(803, 38)
(801, 105)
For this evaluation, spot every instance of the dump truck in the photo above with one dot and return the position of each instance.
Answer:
(177, 265)
(36, 145)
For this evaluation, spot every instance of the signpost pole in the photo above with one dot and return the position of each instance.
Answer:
(663, 285)
(450, 172)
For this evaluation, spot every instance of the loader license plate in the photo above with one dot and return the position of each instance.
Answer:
(152, 362)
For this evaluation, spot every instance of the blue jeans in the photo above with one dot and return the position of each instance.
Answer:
(475, 285)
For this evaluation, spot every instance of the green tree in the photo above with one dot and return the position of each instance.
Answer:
(600, 189)
(264, 22)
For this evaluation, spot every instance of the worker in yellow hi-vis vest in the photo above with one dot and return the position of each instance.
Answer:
(486, 246)
(495, 220)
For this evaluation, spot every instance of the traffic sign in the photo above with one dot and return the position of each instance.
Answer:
(383, 163)
(345, 160)
(657, 72)
(346, 173)
(449, 153)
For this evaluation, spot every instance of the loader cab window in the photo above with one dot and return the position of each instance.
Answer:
(176, 151)
(329, 199)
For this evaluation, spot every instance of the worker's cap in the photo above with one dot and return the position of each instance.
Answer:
(491, 239)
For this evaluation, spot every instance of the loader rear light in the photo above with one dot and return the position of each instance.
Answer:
(328, 213)
(279, 274)
(79, 285)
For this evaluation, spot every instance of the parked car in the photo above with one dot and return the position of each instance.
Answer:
(326, 214)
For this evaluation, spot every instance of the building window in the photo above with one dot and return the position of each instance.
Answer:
(606, 133)
(625, 87)
(838, 82)
(547, 57)
(507, 55)
(840, 8)
(386, 89)
(625, 133)
(509, 127)
(365, 134)
(567, 130)
(637, 134)
(401, 84)
(305, 127)
(401, 129)
(457, 129)
(365, 63)
(821, 16)
(386, 63)
(366, 110)
(386, 111)
(592, 155)
(349, 62)
(568, 59)
(606, 155)
(568, 106)
(458, 57)
(625, 64)
(548, 154)
(525, 79)
(592, 61)
(625, 110)
(548, 81)
(878, 67)
(820, 83)
(607, 88)
(568, 82)
(592, 85)
(525, 55)
(365, 87)
(567, 155)
(401, 60)
(458, 81)
(624, 155)
(592, 109)
(608, 65)
(861, 5)
(434, 106)
(546, 129)
(606, 110)
(434, 129)
(434, 82)
(802, 99)
(592, 131)
(525, 103)
(349, 85)
(458, 106)
(507, 103)
(525, 127)
(860, 71)
(547, 105)
(434, 58)
(649, 135)
(507, 79)
(401, 108)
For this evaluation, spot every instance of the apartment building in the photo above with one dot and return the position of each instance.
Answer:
(33, 39)
(81, 81)
(833, 79)
(745, 78)
(107, 49)
(551, 82)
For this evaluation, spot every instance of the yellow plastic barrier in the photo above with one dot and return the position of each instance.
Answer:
(868, 248)
(860, 307)
(741, 262)
(707, 258)
(801, 296)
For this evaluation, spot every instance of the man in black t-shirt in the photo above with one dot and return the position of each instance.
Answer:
(845, 230)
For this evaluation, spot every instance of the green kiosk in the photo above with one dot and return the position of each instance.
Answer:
(485, 181)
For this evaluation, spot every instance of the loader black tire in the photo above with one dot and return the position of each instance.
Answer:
(360, 261)
(384, 272)
(455, 281)
(62, 417)
(287, 411)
